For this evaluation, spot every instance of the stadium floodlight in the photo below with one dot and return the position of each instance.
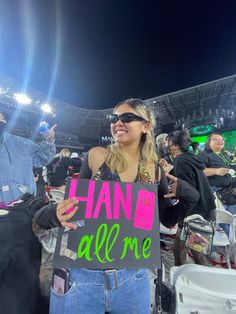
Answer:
(46, 108)
(22, 99)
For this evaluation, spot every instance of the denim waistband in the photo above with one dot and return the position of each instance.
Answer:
(110, 278)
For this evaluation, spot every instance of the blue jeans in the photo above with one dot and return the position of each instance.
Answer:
(124, 291)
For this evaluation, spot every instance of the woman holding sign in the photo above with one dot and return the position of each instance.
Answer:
(131, 158)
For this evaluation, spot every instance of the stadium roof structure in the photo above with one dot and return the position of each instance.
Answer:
(196, 104)
(214, 98)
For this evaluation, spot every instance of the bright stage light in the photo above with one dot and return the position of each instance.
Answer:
(22, 99)
(46, 108)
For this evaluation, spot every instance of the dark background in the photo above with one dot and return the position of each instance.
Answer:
(93, 54)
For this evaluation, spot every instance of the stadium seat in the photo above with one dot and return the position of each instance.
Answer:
(202, 290)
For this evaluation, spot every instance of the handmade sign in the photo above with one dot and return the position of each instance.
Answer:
(117, 223)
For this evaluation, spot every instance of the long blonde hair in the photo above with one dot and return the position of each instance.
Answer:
(115, 158)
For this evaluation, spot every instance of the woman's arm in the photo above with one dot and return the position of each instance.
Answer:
(187, 195)
(215, 171)
(54, 215)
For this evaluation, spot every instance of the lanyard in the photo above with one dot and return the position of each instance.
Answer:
(223, 158)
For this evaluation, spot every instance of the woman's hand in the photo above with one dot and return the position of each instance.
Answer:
(49, 136)
(165, 165)
(62, 216)
(221, 171)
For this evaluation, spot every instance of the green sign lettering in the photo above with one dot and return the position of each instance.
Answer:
(84, 251)
(133, 244)
(146, 245)
(116, 228)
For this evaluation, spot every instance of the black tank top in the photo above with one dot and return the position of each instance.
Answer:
(105, 173)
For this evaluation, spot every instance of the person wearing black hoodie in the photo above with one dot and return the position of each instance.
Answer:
(20, 258)
(187, 167)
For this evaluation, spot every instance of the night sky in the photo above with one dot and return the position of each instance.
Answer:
(93, 54)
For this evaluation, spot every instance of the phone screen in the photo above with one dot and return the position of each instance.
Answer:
(60, 282)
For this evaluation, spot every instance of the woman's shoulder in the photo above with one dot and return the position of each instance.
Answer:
(96, 157)
(98, 151)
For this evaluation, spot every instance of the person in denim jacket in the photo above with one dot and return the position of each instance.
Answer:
(18, 156)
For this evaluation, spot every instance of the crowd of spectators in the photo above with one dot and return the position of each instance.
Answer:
(189, 182)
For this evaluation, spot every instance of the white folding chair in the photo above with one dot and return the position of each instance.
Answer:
(218, 203)
(220, 238)
(204, 290)
(232, 231)
(224, 217)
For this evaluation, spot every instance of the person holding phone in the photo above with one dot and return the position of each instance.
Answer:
(18, 157)
(131, 158)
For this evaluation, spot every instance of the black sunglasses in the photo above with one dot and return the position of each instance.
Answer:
(124, 117)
